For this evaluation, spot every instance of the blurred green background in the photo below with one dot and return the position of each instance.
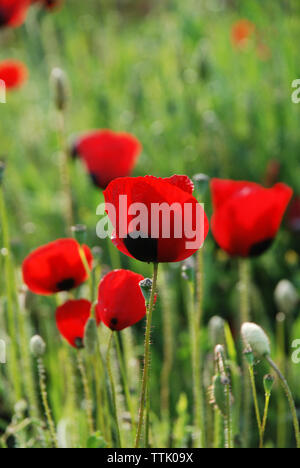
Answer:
(168, 72)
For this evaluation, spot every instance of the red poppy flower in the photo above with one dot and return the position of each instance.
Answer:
(107, 155)
(71, 319)
(13, 12)
(241, 32)
(172, 235)
(56, 267)
(121, 303)
(13, 73)
(246, 215)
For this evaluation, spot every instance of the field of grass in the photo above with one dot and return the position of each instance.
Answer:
(169, 73)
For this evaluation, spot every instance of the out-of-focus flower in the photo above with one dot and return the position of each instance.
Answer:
(286, 296)
(293, 215)
(121, 303)
(71, 320)
(13, 73)
(107, 155)
(13, 12)
(241, 32)
(247, 216)
(56, 267)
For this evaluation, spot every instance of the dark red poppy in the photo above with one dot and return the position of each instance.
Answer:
(246, 215)
(13, 73)
(241, 32)
(170, 237)
(121, 303)
(107, 155)
(293, 215)
(56, 267)
(13, 12)
(71, 319)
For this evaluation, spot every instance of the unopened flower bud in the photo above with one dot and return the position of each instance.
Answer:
(146, 288)
(37, 346)
(91, 336)
(201, 183)
(60, 88)
(286, 296)
(218, 394)
(79, 233)
(249, 356)
(268, 383)
(216, 329)
(255, 337)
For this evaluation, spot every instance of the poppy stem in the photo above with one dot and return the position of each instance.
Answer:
(13, 364)
(289, 397)
(147, 357)
(87, 393)
(265, 417)
(244, 317)
(280, 357)
(255, 399)
(113, 390)
(125, 383)
(43, 389)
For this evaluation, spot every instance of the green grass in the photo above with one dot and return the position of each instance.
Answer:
(197, 104)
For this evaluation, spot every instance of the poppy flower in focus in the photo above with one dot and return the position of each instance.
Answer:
(241, 32)
(13, 73)
(13, 12)
(107, 155)
(121, 303)
(247, 216)
(56, 267)
(71, 319)
(170, 235)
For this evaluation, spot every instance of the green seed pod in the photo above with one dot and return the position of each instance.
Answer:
(91, 337)
(37, 346)
(146, 288)
(60, 88)
(268, 383)
(286, 296)
(218, 394)
(255, 337)
(201, 182)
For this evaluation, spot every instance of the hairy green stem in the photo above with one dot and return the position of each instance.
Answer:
(113, 390)
(43, 389)
(265, 417)
(87, 393)
(255, 399)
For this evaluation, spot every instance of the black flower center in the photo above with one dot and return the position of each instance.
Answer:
(144, 250)
(260, 247)
(66, 284)
(79, 343)
(3, 18)
(113, 323)
(94, 179)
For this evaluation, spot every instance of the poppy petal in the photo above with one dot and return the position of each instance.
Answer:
(71, 319)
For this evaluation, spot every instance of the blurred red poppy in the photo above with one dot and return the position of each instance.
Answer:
(181, 227)
(13, 73)
(121, 303)
(13, 12)
(107, 155)
(56, 267)
(241, 32)
(293, 215)
(71, 319)
(246, 215)
(48, 4)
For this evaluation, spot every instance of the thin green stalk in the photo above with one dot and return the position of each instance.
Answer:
(289, 397)
(64, 173)
(245, 317)
(255, 399)
(13, 363)
(147, 357)
(217, 428)
(113, 390)
(281, 403)
(87, 393)
(125, 384)
(43, 389)
(265, 417)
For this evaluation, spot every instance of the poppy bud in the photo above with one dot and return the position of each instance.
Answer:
(201, 183)
(146, 288)
(255, 337)
(218, 394)
(268, 383)
(286, 296)
(37, 346)
(2, 170)
(216, 329)
(59, 84)
(91, 336)
(79, 233)
(248, 353)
